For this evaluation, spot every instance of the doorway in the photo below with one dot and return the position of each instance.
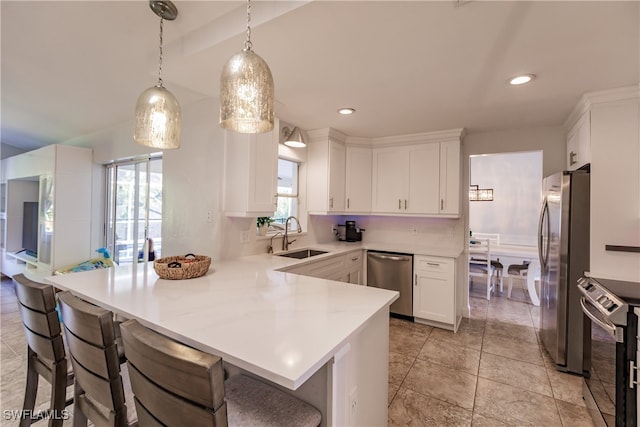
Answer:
(504, 204)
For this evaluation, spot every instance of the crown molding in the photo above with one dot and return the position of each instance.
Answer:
(590, 99)
(415, 138)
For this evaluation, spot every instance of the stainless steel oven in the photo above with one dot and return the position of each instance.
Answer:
(610, 350)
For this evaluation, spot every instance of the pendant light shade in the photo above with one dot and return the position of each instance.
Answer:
(157, 116)
(157, 119)
(246, 90)
(293, 138)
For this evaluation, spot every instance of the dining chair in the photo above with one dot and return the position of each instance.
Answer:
(177, 385)
(46, 355)
(101, 394)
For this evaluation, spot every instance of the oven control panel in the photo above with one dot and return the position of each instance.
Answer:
(612, 307)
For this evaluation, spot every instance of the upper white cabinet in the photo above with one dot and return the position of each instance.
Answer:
(418, 179)
(251, 173)
(58, 179)
(408, 175)
(579, 142)
(326, 171)
(406, 179)
(615, 184)
(358, 179)
(450, 178)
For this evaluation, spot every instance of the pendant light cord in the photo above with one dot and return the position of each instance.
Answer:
(247, 43)
(160, 60)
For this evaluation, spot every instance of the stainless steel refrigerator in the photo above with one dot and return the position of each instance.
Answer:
(563, 246)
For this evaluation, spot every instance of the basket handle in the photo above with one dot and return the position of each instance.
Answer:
(190, 255)
(174, 265)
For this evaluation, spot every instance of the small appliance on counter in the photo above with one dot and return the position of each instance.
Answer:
(349, 232)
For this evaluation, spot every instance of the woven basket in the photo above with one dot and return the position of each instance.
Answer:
(182, 267)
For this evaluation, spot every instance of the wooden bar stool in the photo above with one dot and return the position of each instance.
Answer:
(175, 384)
(101, 396)
(46, 355)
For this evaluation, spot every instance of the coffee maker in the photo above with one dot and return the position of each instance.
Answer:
(349, 232)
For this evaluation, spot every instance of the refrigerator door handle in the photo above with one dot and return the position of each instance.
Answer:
(544, 214)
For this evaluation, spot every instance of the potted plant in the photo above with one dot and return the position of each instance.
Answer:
(263, 224)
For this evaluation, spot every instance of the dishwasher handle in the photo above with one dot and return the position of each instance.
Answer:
(389, 257)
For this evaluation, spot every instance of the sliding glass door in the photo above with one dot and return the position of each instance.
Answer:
(134, 209)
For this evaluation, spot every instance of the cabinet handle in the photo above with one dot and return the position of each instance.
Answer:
(433, 264)
(348, 200)
(415, 283)
(572, 158)
(405, 204)
(399, 204)
(330, 202)
(355, 259)
(441, 204)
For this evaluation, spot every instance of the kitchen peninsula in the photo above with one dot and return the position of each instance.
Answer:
(325, 342)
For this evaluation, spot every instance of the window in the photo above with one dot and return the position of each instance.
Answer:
(287, 193)
(133, 207)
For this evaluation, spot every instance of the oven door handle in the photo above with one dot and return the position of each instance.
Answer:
(609, 327)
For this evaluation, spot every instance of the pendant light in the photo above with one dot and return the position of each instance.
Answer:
(157, 122)
(293, 137)
(246, 90)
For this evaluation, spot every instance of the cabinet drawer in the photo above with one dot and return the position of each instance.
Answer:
(353, 259)
(433, 264)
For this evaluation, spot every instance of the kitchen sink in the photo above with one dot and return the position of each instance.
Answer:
(304, 253)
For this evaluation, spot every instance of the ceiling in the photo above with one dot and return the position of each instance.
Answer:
(73, 68)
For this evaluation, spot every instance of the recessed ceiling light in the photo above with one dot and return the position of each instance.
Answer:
(346, 111)
(520, 80)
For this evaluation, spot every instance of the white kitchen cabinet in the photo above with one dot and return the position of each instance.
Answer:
(420, 179)
(579, 142)
(58, 177)
(450, 178)
(326, 174)
(358, 179)
(251, 173)
(615, 184)
(348, 268)
(354, 267)
(435, 296)
(390, 179)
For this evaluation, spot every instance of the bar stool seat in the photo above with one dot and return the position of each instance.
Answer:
(175, 384)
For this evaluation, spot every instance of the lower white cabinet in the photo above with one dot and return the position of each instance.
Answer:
(435, 300)
(346, 268)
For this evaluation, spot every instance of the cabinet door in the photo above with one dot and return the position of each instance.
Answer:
(263, 172)
(450, 180)
(434, 290)
(354, 266)
(572, 149)
(390, 177)
(579, 143)
(358, 179)
(424, 180)
(584, 139)
(337, 155)
(251, 173)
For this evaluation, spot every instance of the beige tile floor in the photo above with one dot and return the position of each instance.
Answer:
(493, 372)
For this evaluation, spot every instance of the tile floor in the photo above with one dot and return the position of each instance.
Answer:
(493, 372)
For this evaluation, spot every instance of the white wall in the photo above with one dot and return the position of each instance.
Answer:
(516, 180)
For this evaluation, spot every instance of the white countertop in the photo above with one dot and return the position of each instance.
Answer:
(277, 325)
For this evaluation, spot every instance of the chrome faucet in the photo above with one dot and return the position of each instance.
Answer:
(285, 239)
(270, 247)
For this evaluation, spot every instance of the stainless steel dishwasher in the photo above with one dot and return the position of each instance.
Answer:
(394, 271)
